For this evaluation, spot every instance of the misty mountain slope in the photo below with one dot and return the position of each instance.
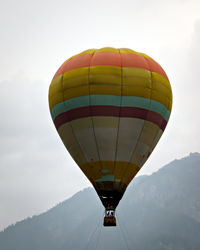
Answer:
(161, 211)
(174, 187)
(51, 229)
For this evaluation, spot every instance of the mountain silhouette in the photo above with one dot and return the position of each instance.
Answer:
(157, 212)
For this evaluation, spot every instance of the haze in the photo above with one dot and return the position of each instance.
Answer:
(36, 172)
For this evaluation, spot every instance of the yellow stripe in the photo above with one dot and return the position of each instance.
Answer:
(105, 75)
(75, 78)
(55, 91)
(139, 82)
(136, 76)
(100, 122)
(130, 51)
(132, 170)
(107, 49)
(137, 91)
(113, 50)
(107, 80)
(88, 51)
(75, 92)
(136, 82)
(162, 91)
(55, 85)
(105, 89)
(119, 169)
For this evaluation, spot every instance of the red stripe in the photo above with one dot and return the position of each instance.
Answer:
(111, 59)
(112, 111)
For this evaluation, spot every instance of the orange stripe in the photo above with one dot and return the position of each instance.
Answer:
(134, 60)
(79, 61)
(106, 58)
(155, 67)
(110, 59)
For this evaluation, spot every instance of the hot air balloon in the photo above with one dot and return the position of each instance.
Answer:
(110, 107)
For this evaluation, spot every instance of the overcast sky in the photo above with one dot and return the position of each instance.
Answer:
(36, 172)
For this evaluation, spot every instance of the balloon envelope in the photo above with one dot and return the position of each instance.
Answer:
(110, 107)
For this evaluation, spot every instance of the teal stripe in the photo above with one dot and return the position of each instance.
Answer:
(77, 102)
(105, 170)
(105, 178)
(110, 100)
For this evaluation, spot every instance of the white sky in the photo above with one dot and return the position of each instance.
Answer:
(36, 172)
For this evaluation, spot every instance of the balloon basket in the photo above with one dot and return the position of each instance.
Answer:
(109, 222)
(109, 219)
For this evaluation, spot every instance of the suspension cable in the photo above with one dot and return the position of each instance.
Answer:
(98, 239)
(93, 233)
(123, 234)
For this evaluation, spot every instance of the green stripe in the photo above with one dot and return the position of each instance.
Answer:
(111, 100)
